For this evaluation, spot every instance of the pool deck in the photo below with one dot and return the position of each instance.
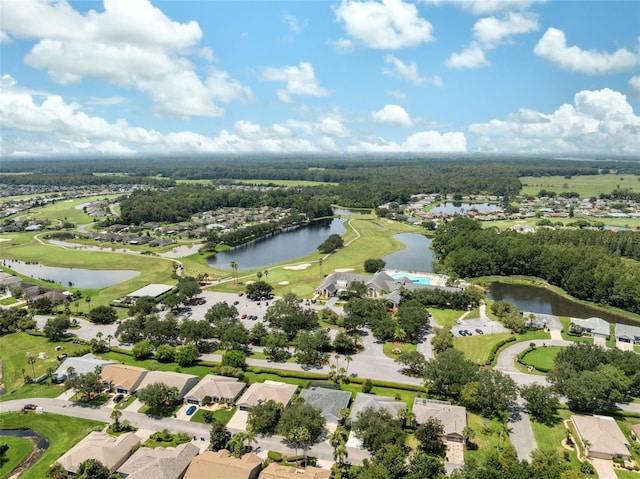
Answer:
(434, 279)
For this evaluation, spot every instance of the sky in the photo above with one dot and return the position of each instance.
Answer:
(141, 77)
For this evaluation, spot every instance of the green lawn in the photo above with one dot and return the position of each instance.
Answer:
(387, 348)
(62, 432)
(542, 357)
(586, 186)
(220, 415)
(19, 449)
(164, 439)
(477, 347)
(152, 364)
(13, 349)
(490, 435)
(445, 317)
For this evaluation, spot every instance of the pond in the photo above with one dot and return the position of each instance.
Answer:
(41, 441)
(416, 256)
(544, 301)
(459, 208)
(284, 246)
(76, 277)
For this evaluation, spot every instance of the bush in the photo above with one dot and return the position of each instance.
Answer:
(496, 347)
(367, 386)
(587, 468)
(274, 456)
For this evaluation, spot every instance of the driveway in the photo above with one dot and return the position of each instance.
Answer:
(604, 468)
(238, 421)
(521, 433)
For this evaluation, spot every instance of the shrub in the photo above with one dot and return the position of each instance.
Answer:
(274, 456)
(367, 386)
(587, 468)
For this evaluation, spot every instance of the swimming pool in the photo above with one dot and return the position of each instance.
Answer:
(416, 279)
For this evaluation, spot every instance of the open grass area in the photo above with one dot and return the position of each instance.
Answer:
(165, 439)
(63, 432)
(387, 348)
(289, 183)
(220, 415)
(586, 186)
(542, 358)
(445, 317)
(490, 436)
(13, 349)
(477, 347)
(152, 364)
(19, 449)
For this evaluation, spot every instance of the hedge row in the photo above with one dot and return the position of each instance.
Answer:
(388, 384)
(285, 373)
(521, 356)
(496, 347)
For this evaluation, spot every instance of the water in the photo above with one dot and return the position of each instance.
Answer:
(42, 441)
(417, 255)
(346, 211)
(545, 301)
(416, 279)
(279, 247)
(459, 208)
(80, 278)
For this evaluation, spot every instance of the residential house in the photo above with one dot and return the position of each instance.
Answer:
(122, 378)
(159, 462)
(627, 333)
(602, 437)
(220, 464)
(218, 388)
(596, 327)
(365, 401)
(258, 393)
(329, 401)
(80, 365)
(111, 451)
(278, 471)
(182, 382)
(453, 418)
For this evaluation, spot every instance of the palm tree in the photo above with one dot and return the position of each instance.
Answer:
(234, 267)
(304, 437)
(348, 359)
(31, 360)
(70, 371)
(320, 264)
(259, 275)
(235, 445)
(99, 335)
(402, 415)
(250, 437)
(77, 305)
(340, 453)
(116, 414)
(266, 275)
(109, 338)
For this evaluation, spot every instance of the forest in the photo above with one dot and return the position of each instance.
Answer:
(598, 266)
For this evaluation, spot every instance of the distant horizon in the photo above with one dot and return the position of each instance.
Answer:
(336, 77)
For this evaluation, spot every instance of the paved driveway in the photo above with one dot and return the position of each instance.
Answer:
(604, 468)
(238, 421)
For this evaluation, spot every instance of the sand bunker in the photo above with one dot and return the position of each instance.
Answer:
(283, 283)
(298, 267)
(344, 270)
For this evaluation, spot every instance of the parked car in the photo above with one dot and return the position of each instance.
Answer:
(236, 303)
(118, 397)
(30, 406)
(458, 321)
(191, 410)
(479, 331)
(462, 332)
(244, 316)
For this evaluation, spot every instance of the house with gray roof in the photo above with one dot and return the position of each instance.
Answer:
(80, 365)
(627, 333)
(159, 462)
(329, 401)
(596, 327)
(453, 418)
(365, 401)
(602, 436)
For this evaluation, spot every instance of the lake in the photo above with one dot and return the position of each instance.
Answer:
(544, 301)
(459, 208)
(80, 278)
(416, 256)
(279, 247)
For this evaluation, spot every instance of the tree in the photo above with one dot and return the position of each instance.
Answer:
(448, 372)
(332, 243)
(235, 359)
(412, 318)
(263, 418)
(195, 332)
(373, 265)
(542, 402)
(490, 393)
(377, 427)
(430, 434)
(287, 315)
(258, 290)
(442, 339)
(158, 396)
(414, 361)
(423, 466)
(189, 287)
(142, 349)
(55, 328)
(307, 346)
(85, 384)
(92, 469)
(221, 316)
(235, 446)
(165, 353)
(234, 267)
(187, 355)
(235, 336)
(343, 342)
(258, 333)
(56, 471)
(393, 458)
(103, 315)
(367, 386)
(144, 305)
(302, 414)
(219, 435)
(275, 346)
(371, 470)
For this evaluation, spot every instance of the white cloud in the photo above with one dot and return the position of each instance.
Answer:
(408, 72)
(600, 121)
(491, 30)
(301, 80)
(553, 47)
(420, 142)
(392, 115)
(634, 87)
(471, 57)
(397, 94)
(293, 23)
(390, 25)
(485, 7)
(130, 44)
(112, 100)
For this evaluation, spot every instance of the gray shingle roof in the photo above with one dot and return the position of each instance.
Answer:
(329, 401)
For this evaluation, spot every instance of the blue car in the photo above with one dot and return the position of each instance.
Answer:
(191, 410)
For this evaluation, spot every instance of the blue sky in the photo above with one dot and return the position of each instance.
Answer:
(430, 76)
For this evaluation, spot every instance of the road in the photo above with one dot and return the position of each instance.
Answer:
(321, 450)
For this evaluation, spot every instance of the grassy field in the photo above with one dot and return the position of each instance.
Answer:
(61, 431)
(445, 317)
(13, 349)
(542, 357)
(220, 415)
(19, 449)
(387, 348)
(490, 435)
(585, 186)
(477, 347)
